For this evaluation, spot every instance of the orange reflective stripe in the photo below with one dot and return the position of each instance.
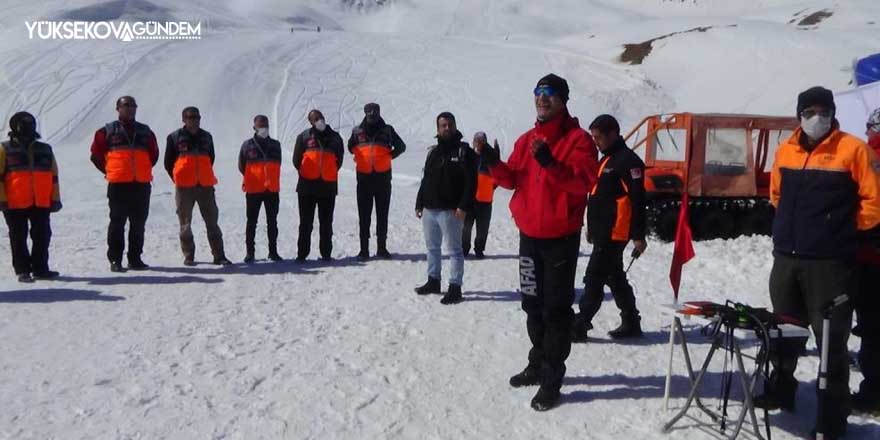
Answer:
(601, 169)
(25, 189)
(370, 158)
(194, 169)
(620, 232)
(262, 176)
(128, 165)
(485, 188)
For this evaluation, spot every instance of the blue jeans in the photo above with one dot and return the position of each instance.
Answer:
(441, 225)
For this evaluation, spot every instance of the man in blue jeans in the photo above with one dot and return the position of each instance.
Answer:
(446, 195)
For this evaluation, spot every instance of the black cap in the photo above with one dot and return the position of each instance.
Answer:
(371, 107)
(816, 96)
(557, 83)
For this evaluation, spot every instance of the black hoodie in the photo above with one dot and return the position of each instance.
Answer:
(450, 176)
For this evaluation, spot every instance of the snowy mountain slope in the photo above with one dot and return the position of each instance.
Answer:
(346, 350)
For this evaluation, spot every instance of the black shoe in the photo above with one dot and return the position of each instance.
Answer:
(432, 286)
(326, 258)
(275, 257)
(628, 328)
(222, 261)
(579, 328)
(479, 255)
(453, 295)
(300, 259)
(545, 399)
(249, 258)
(770, 402)
(188, 261)
(530, 376)
(363, 256)
(383, 254)
(25, 278)
(137, 265)
(116, 267)
(45, 275)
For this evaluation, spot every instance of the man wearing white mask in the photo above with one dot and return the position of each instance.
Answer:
(826, 190)
(317, 156)
(259, 162)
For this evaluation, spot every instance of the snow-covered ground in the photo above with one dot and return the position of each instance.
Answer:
(346, 350)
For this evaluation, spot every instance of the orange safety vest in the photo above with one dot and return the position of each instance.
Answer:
(318, 163)
(193, 165)
(28, 175)
(485, 187)
(262, 168)
(372, 155)
(128, 159)
(623, 220)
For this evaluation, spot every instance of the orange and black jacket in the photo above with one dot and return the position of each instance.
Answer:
(259, 161)
(823, 196)
(125, 152)
(317, 155)
(485, 182)
(28, 176)
(616, 205)
(373, 147)
(189, 158)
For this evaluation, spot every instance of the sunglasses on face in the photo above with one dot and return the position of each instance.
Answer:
(545, 91)
(807, 114)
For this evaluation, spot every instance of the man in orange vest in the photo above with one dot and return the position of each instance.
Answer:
(374, 144)
(259, 162)
(28, 193)
(125, 151)
(317, 155)
(481, 214)
(867, 399)
(189, 160)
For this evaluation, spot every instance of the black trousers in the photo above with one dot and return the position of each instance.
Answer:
(307, 205)
(606, 268)
(482, 216)
(129, 202)
(547, 269)
(254, 203)
(799, 288)
(370, 190)
(867, 307)
(19, 221)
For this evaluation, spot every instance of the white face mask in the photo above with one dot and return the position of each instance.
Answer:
(320, 125)
(263, 132)
(816, 127)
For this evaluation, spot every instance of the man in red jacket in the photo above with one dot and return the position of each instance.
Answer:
(551, 170)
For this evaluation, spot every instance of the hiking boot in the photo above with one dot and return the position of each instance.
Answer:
(529, 376)
(579, 328)
(453, 295)
(25, 278)
(222, 261)
(432, 286)
(116, 266)
(545, 399)
(629, 328)
(45, 275)
(137, 264)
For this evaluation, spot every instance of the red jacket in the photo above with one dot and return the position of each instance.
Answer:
(550, 202)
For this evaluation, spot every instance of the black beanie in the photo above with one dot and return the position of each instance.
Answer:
(16, 119)
(445, 115)
(816, 96)
(557, 83)
(371, 107)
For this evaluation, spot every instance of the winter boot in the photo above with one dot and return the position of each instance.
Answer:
(432, 286)
(546, 398)
(630, 327)
(530, 376)
(453, 295)
(579, 328)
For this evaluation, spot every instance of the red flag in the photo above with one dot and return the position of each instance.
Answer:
(684, 246)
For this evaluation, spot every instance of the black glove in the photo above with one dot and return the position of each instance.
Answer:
(490, 156)
(542, 154)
